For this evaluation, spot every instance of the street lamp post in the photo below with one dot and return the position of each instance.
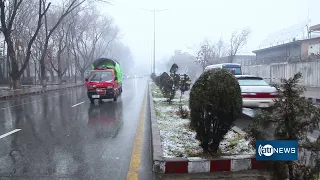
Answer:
(153, 64)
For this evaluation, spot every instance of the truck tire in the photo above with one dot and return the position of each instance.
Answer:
(91, 100)
(115, 98)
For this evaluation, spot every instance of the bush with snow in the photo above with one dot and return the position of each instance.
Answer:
(215, 103)
(178, 140)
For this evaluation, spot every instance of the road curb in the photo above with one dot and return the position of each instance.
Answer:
(221, 164)
(194, 164)
(157, 151)
(38, 91)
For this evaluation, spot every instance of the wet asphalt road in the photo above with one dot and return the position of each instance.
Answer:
(58, 141)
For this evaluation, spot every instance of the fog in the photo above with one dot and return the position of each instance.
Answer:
(75, 33)
(185, 24)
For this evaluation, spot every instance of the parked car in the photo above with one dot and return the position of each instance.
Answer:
(256, 92)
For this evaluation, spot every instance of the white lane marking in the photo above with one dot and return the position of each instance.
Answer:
(78, 104)
(11, 132)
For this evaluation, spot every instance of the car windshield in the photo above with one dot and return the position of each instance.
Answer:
(252, 82)
(237, 70)
(100, 76)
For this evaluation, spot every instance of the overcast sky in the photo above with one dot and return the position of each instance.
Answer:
(186, 23)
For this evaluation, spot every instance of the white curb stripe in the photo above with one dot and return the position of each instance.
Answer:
(240, 164)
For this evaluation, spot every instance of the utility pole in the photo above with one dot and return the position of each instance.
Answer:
(154, 41)
(153, 64)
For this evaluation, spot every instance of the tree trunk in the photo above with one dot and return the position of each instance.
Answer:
(16, 82)
(82, 75)
(1, 73)
(69, 75)
(28, 71)
(43, 64)
(43, 74)
(35, 73)
(14, 65)
(59, 78)
(52, 76)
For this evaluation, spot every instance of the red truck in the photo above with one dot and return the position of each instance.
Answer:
(104, 81)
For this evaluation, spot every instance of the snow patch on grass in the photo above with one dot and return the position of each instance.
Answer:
(177, 139)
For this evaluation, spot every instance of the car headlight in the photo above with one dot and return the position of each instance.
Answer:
(91, 87)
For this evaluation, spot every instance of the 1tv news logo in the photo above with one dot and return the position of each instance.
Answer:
(277, 150)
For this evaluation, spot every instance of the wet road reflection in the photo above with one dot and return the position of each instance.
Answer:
(105, 119)
(60, 141)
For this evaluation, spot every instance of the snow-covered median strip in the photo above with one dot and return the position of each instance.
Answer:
(178, 140)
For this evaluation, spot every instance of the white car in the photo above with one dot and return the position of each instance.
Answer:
(256, 93)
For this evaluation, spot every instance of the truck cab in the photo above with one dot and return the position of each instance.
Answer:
(103, 84)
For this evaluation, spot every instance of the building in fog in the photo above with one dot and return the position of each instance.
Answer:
(293, 44)
(241, 59)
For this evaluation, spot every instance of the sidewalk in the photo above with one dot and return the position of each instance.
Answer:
(6, 94)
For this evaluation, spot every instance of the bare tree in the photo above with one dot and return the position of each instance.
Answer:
(9, 12)
(68, 7)
(237, 41)
(57, 53)
(220, 50)
(91, 38)
(206, 54)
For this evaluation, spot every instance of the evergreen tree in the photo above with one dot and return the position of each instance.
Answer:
(291, 119)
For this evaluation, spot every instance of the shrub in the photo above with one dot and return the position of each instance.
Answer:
(157, 81)
(164, 81)
(185, 83)
(215, 102)
(174, 68)
(183, 112)
(169, 84)
(175, 80)
(292, 118)
(153, 76)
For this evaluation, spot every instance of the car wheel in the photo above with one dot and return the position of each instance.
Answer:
(100, 101)
(92, 101)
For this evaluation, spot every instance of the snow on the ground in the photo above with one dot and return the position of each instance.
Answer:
(165, 100)
(178, 140)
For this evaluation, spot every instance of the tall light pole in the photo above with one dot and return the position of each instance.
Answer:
(153, 64)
